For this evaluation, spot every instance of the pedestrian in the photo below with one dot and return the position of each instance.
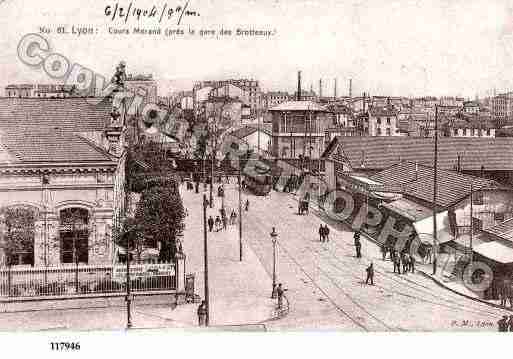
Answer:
(384, 251)
(370, 274)
(502, 293)
(412, 263)
(321, 233)
(510, 294)
(280, 291)
(246, 206)
(406, 262)
(357, 244)
(218, 223)
(210, 223)
(326, 233)
(225, 222)
(503, 324)
(202, 314)
(510, 323)
(397, 262)
(234, 215)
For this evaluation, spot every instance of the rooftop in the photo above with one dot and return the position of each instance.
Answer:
(34, 130)
(503, 230)
(417, 181)
(378, 153)
(298, 106)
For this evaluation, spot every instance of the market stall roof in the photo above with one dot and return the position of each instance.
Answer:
(424, 228)
(495, 250)
(408, 209)
(422, 220)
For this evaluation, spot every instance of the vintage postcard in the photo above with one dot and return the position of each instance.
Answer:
(271, 165)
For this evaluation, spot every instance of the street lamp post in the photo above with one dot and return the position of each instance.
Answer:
(274, 236)
(205, 259)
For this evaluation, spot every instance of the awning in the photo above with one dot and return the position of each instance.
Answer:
(385, 195)
(496, 251)
(424, 228)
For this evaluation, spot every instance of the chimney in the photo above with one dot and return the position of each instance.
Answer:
(482, 171)
(320, 87)
(350, 88)
(299, 85)
(416, 170)
(335, 89)
(458, 167)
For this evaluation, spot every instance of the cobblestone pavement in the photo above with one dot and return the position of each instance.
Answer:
(325, 281)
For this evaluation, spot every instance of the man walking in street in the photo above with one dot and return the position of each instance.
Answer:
(246, 206)
(412, 263)
(357, 244)
(210, 223)
(326, 233)
(370, 274)
(397, 262)
(384, 251)
(406, 262)
(202, 314)
(321, 233)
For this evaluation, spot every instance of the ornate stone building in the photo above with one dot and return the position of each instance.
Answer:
(62, 166)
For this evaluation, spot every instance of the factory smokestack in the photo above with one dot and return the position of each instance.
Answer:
(350, 88)
(320, 87)
(299, 85)
(335, 89)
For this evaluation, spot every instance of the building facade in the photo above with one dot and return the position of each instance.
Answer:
(62, 171)
(299, 129)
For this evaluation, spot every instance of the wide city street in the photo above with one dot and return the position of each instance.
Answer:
(325, 281)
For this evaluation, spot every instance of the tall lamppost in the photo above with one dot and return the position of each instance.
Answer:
(205, 260)
(274, 236)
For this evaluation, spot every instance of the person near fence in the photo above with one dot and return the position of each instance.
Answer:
(280, 291)
(218, 223)
(202, 314)
(370, 274)
(210, 223)
(225, 222)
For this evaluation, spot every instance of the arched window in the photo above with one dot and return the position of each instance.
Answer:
(74, 235)
(18, 231)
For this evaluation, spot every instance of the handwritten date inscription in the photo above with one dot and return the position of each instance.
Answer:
(162, 12)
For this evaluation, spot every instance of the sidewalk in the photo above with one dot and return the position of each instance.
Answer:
(239, 291)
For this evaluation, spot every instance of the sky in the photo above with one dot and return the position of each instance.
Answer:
(408, 48)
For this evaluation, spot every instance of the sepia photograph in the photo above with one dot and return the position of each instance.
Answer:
(282, 166)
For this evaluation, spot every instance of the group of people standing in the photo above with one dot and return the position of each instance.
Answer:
(324, 233)
(505, 325)
(221, 222)
(402, 259)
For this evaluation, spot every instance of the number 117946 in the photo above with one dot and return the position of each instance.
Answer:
(65, 346)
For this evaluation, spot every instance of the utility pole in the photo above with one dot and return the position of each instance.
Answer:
(435, 234)
(471, 221)
(240, 215)
(205, 258)
(274, 236)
